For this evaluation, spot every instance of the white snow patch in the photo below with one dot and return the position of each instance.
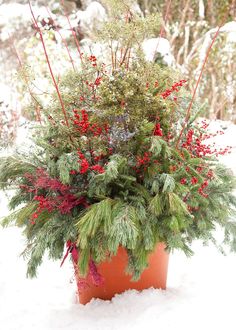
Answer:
(157, 45)
(230, 29)
(90, 18)
(14, 15)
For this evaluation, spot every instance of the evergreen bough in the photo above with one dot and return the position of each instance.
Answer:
(118, 174)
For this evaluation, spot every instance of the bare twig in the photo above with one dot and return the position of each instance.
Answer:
(73, 32)
(163, 25)
(49, 65)
(63, 39)
(196, 87)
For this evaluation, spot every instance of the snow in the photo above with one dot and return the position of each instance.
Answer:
(201, 9)
(200, 294)
(88, 19)
(14, 15)
(160, 45)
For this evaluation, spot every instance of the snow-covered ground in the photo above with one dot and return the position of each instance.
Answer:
(201, 291)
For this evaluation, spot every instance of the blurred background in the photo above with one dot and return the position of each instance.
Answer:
(188, 27)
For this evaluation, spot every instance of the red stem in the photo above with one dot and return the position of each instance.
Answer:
(37, 109)
(196, 86)
(121, 54)
(63, 40)
(128, 60)
(162, 27)
(73, 33)
(49, 65)
(112, 57)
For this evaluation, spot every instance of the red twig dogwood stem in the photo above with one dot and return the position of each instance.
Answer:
(163, 25)
(196, 86)
(49, 65)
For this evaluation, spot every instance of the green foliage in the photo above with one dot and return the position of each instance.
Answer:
(124, 230)
(168, 182)
(176, 205)
(120, 173)
(156, 206)
(50, 235)
(156, 145)
(21, 216)
(131, 34)
(12, 168)
(98, 215)
(65, 164)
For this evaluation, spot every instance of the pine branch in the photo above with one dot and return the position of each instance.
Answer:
(176, 205)
(98, 215)
(21, 216)
(156, 206)
(124, 230)
(12, 168)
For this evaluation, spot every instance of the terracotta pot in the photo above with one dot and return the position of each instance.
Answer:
(116, 281)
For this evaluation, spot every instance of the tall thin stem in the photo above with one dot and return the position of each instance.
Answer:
(63, 39)
(163, 25)
(49, 65)
(73, 32)
(196, 86)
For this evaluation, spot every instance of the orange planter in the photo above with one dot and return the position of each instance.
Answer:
(117, 281)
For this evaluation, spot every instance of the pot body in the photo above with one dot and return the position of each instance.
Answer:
(117, 281)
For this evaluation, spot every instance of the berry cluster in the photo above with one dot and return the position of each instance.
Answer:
(142, 162)
(97, 81)
(174, 88)
(85, 166)
(201, 189)
(93, 60)
(194, 181)
(158, 130)
(84, 126)
(195, 144)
